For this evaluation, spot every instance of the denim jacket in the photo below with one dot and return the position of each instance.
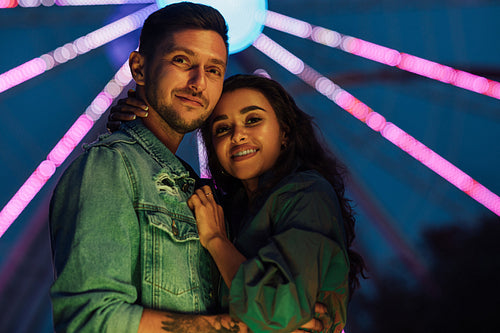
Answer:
(124, 239)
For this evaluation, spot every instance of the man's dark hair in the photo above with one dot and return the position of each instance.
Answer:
(177, 17)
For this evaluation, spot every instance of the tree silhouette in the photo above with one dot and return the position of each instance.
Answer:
(465, 266)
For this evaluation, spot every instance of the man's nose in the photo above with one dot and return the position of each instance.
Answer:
(197, 80)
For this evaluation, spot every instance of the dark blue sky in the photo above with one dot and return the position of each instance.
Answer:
(396, 197)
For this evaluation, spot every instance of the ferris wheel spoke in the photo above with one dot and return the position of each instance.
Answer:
(69, 51)
(378, 123)
(384, 55)
(64, 147)
(49, 3)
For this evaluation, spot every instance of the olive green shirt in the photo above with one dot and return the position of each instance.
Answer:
(295, 245)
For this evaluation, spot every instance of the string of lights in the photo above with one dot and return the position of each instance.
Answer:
(378, 123)
(49, 3)
(383, 54)
(64, 147)
(69, 51)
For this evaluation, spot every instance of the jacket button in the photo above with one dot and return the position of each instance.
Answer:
(185, 187)
(174, 229)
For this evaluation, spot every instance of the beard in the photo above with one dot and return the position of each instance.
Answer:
(171, 116)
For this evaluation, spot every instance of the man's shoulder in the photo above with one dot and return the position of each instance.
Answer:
(111, 140)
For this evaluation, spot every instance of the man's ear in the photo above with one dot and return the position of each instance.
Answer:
(136, 62)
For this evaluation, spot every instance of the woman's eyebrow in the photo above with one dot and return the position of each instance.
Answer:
(242, 111)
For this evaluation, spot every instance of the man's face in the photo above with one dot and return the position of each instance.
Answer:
(184, 78)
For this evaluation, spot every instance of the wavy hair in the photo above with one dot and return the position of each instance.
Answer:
(304, 147)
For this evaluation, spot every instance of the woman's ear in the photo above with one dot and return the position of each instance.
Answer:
(136, 62)
(284, 140)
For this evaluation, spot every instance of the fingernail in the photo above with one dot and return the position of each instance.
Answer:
(145, 107)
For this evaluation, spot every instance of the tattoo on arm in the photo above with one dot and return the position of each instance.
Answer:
(177, 323)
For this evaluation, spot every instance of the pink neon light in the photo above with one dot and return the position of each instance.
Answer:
(21, 73)
(63, 148)
(8, 3)
(69, 51)
(99, 2)
(48, 3)
(388, 130)
(384, 55)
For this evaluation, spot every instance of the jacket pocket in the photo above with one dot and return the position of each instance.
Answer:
(170, 256)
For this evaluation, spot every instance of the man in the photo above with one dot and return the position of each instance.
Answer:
(125, 243)
(126, 249)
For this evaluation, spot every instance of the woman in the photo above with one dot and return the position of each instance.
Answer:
(290, 226)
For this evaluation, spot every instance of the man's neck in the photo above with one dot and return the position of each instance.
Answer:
(156, 124)
(162, 131)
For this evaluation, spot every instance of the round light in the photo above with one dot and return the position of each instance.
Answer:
(244, 18)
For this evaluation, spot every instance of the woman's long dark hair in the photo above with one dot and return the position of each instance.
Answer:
(303, 148)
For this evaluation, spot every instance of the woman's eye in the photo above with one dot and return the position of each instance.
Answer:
(221, 130)
(253, 120)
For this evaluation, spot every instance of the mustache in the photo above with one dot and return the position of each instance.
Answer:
(187, 91)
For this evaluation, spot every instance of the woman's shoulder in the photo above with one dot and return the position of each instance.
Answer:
(304, 183)
(301, 179)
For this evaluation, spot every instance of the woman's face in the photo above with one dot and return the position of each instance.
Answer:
(246, 135)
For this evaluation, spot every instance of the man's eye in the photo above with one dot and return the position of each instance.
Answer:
(215, 71)
(180, 60)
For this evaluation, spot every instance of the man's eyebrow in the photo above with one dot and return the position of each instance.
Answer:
(191, 53)
(242, 111)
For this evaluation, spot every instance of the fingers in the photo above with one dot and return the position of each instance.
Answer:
(312, 325)
(126, 112)
(131, 93)
(205, 194)
(201, 197)
(320, 308)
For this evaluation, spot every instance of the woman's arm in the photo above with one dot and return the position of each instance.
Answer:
(212, 231)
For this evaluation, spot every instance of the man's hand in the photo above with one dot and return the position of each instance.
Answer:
(153, 321)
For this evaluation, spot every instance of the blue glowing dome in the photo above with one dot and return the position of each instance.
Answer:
(245, 19)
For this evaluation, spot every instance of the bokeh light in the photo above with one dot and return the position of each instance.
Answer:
(245, 19)
(378, 123)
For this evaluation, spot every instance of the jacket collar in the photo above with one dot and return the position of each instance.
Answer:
(139, 132)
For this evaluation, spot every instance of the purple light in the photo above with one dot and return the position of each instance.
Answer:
(388, 130)
(287, 24)
(69, 51)
(279, 54)
(383, 55)
(63, 148)
(99, 2)
(21, 73)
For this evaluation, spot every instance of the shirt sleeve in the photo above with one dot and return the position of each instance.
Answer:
(95, 237)
(303, 262)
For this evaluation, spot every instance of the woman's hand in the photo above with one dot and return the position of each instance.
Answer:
(209, 215)
(126, 109)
